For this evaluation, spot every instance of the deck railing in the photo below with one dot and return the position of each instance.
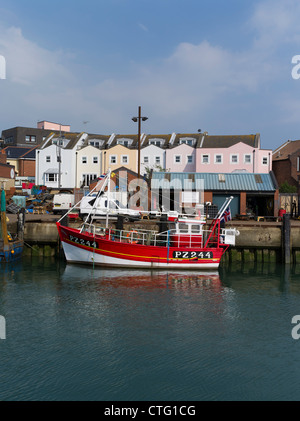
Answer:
(153, 238)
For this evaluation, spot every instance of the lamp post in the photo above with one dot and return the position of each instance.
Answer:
(139, 119)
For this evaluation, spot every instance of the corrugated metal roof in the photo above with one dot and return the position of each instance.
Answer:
(213, 181)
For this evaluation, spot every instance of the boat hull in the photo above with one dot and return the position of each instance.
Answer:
(86, 248)
(11, 252)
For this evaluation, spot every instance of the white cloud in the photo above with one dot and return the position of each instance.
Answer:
(194, 86)
(28, 63)
(276, 22)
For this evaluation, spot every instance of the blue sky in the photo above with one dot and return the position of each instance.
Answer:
(222, 66)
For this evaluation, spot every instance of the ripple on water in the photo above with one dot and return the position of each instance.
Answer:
(79, 334)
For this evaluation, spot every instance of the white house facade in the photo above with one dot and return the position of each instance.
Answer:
(88, 165)
(152, 157)
(56, 161)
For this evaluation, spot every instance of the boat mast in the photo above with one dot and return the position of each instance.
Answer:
(224, 207)
(215, 224)
(108, 196)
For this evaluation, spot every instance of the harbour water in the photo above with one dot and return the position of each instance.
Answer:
(76, 333)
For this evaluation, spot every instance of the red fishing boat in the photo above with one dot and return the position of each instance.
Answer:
(188, 243)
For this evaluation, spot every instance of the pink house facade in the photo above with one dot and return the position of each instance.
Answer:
(236, 158)
(182, 158)
(220, 154)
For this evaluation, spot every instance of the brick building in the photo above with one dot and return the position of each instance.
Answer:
(286, 163)
(23, 160)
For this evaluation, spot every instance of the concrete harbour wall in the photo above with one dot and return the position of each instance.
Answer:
(258, 241)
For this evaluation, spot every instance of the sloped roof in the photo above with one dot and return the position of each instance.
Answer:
(129, 137)
(72, 137)
(164, 137)
(195, 137)
(29, 154)
(288, 148)
(227, 141)
(102, 139)
(15, 152)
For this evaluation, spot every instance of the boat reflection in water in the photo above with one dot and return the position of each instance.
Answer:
(142, 278)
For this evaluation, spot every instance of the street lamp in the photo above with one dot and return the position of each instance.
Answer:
(139, 119)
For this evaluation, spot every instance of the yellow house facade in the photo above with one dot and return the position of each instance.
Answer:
(119, 156)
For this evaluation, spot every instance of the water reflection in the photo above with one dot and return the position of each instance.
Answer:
(142, 278)
(236, 275)
(98, 334)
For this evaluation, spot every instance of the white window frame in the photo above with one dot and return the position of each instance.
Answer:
(84, 160)
(156, 142)
(247, 154)
(124, 142)
(231, 158)
(122, 159)
(30, 138)
(55, 178)
(216, 155)
(111, 157)
(48, 158)
(190, 141)
(146, 160)
(88, 178)
(95, 159)
(175, 161)
(158, 160)
(192, 159)
(208, 158)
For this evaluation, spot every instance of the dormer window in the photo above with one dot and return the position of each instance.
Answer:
(60, 142)
(156, 142)
(96, 143)
(187, 141)
(124, 142)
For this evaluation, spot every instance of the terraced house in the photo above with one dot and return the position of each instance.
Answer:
(240, 166)
(57, 160)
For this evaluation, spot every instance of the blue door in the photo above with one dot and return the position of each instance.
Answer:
(219, 199)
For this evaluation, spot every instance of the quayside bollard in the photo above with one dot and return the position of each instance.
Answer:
(286, 238)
